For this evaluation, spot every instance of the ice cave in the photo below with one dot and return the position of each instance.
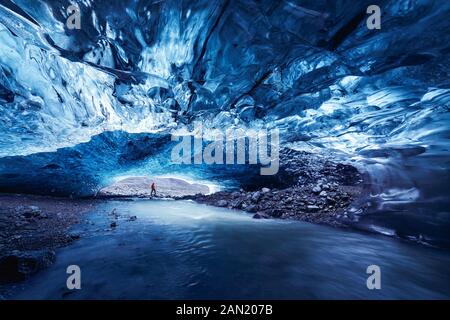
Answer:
(83, 106)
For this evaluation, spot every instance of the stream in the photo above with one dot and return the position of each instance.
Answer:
(184, 250)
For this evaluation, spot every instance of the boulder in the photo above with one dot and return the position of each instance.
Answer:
(236, 204)
(31, 212)
(18, 266)
(260, 215)
(256, 196)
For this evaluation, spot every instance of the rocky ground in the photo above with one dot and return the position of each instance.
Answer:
(31, 228)
(310, 188)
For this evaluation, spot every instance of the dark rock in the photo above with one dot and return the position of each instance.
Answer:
(331, 200)
(114, 224)
(276, 213)
(345, 197)
(251, 208)
(256, 196)
(18, 266)
(260, 215)
(236, 204)
(308, 187)
(347, 174)
(30, 212)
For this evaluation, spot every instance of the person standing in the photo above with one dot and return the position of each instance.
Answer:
(153, 187)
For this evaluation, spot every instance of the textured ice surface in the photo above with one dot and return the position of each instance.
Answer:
(309, 68)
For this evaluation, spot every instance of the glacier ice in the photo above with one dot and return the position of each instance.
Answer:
(309, 68)
(140, 66)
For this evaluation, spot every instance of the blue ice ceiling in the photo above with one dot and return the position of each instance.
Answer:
(310, 68)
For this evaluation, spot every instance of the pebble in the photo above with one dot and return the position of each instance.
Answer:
(256, 196)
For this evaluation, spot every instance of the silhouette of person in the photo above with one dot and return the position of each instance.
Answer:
(153, 189)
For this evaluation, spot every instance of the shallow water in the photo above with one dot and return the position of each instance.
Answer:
(183, 250)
